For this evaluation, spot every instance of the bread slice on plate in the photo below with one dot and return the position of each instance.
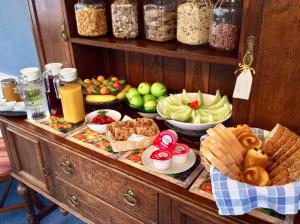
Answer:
(270, 146)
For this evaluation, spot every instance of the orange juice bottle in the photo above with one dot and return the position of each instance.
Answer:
(70, 93)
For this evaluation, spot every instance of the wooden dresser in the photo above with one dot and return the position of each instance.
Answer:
(98, 189)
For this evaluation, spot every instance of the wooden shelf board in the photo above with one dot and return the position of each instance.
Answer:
(167, 49)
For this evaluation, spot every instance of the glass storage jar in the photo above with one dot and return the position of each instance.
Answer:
(9, 87)
(32, 90)
(124, 15)
(91, 18)
(160, 20)
(193, 20)
(225, 25)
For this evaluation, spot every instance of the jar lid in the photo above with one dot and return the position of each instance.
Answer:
(53, 67)
(8, 81)
(30, 74)
(68, 74)
(161, 155)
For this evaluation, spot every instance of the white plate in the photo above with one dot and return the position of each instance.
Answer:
(189, 126)
(174, 168)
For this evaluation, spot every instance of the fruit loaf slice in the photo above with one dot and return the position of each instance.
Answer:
(287, 146)
(286, 158)
(270, 145)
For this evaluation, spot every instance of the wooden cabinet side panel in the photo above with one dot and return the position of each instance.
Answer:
(27, 156)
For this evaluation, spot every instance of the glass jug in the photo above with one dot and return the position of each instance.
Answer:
(32, 90)
(52, 70)
(69, 91)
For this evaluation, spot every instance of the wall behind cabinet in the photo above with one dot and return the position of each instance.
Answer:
(17, 48)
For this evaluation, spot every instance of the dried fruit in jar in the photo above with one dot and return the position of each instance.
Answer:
(160, 22)
(125, 19)
(193, 19)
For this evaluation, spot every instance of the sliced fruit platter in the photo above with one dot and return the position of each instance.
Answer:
(195, 111)
(100, 90)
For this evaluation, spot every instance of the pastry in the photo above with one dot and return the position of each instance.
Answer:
(256, 175)
(255, 157)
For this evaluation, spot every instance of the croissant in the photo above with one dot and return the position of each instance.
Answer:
(255, 157)
(249, 140)
(256, 176)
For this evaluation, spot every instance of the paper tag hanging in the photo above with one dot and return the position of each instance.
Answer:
(243, 85)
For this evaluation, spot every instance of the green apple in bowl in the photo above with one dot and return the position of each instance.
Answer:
(144, 88)
(158, 89)
(131, 92)
(149, 97)
(136, 101)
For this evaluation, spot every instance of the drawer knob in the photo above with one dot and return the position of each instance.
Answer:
(67, 167)
(73, 200)
(129, 198)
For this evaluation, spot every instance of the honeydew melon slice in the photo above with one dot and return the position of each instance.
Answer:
(219, 104)
(183, 115)
(184, 98)
(195, 117)
(216, 99)
(219, 114)
(200, 98)
(173, 100)
(206, 119)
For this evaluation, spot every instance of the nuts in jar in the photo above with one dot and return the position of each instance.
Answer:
(193, 20)
(91, 18)
(160, 21)
(125, 19)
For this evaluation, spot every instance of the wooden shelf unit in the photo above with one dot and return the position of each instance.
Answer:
(168, 49)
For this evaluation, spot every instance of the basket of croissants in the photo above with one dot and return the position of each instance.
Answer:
(253, 156)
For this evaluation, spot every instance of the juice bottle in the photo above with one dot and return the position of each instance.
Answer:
(70, 93)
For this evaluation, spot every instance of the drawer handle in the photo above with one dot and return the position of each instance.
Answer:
(67, 167)
(129, 198)
(73, 200)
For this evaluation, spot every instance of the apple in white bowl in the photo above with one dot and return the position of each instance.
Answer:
(98, 119)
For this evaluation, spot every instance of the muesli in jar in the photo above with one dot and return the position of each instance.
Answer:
(160, 20)
(193, 20)
(125, 19)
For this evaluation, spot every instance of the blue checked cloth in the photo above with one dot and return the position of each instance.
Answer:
(236, 198)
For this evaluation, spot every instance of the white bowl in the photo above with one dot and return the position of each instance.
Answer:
(7, 106)
(101, 128)
(19, 106)
(148, 115)
(190, 126)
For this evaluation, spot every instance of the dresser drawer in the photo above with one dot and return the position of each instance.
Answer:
(89, 206)
(132, 197)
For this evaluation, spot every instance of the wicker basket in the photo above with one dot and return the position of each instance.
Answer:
(121, 146)
(204, 161)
